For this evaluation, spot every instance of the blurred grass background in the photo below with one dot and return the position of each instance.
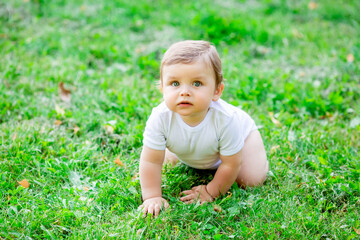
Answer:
(292, 65)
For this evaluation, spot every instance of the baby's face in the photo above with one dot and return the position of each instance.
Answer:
(188, 90)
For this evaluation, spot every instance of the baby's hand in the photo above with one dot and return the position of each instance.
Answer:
(198, 193)
(153, 206)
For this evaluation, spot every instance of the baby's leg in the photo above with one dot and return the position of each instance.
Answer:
(170, 158)
(254, 165)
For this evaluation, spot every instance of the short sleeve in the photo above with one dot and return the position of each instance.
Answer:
(154, 134)
(233, 136)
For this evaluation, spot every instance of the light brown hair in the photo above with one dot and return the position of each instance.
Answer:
(189, 51)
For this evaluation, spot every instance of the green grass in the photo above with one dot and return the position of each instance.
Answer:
(278, 57)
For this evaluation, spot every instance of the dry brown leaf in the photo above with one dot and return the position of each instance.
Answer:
(86, 188)
(76, 129)
(322, 181)
(274, 148)
(8, 197)
(118, 162)
(57, 222)
(274, 120)
(297, 34)
(139, 231)
(357, 231)
(312, 5)
(109, 129)
(14, 137)
(229, 195)
(65, 94)
(217, 208)
(59, 110)
(136, 176)
(344, 208)
(24, 183)
(263, 50)
(350, 58)
(140, 49)
(58, 123)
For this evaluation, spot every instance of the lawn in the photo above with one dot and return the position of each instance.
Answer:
(78, 80)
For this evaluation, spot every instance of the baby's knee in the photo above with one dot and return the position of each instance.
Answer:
(252, 179)
(251, 182)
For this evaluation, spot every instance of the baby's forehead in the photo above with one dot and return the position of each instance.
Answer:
(197, 69)
(200, 59)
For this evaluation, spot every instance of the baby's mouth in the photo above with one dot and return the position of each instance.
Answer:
(185, 103)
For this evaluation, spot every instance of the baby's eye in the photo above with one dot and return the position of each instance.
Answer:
(197, 84)
(175, 84)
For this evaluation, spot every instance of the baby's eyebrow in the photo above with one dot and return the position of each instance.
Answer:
(198, 77)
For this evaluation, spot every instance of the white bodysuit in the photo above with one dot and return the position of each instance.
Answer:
(223, 131)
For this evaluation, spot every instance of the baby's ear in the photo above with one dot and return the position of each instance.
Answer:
(218, 92)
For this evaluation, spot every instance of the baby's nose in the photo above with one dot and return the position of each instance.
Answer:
(185, 91)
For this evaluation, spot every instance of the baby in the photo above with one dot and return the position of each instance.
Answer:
(193, 125)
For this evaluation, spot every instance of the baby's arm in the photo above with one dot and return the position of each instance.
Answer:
(150, 180)
(224, 178)
(225, 175)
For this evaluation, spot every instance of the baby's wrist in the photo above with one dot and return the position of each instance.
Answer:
(147, 198)
(150, 196)
(207, 191)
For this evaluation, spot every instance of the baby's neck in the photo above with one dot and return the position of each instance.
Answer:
(194, 120)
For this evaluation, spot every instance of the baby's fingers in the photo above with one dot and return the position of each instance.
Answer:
(186, 192)
(188, 198)
(157, 210)
(197, 188)
(189, 202)
(165, 204)
(144, 209)
(154, 209)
